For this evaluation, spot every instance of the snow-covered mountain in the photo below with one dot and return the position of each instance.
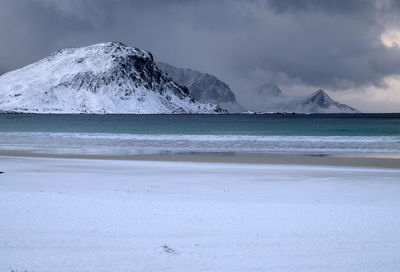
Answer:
(203, 87)
(102, 78)
(320, 102)
(269, 98)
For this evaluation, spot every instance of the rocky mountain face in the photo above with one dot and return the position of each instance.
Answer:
(269, 98)
(102, 78)
(203, 87)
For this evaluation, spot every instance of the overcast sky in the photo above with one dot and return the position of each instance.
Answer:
(350, 48)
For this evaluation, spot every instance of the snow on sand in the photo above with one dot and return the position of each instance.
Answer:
(103, 215)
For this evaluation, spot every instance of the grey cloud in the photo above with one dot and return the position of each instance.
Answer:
(329, 6)
(333, 44)
(30, 30)
(325, 43)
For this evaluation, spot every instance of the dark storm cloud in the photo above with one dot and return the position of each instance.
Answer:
(29, 30)
(329, 6)
(334, 44)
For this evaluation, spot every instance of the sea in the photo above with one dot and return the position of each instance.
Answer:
(128, 134)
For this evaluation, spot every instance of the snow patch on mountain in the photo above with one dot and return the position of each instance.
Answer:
(102, 78)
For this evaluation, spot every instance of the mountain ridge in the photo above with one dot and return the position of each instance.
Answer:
(204, 87)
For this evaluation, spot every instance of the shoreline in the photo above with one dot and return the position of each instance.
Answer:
(380, 160)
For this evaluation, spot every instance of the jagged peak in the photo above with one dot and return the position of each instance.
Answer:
(270, 88)
(319, 95)
(320, 92)
(321, 99)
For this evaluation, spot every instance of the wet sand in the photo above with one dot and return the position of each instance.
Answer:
(380, 160)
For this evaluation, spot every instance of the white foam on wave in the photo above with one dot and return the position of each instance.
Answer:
(197, 137)
(153, 143)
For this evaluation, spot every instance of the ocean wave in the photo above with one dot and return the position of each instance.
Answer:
(115, 143)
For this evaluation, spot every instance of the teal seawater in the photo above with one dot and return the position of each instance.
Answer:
(232, 124)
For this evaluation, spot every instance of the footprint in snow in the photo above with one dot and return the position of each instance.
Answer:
(169, 250)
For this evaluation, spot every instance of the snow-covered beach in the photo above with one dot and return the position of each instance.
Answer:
(63, 214)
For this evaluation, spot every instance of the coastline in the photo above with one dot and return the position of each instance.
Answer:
(371, 160)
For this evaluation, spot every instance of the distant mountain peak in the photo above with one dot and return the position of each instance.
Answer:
(270, 88)
(320, 98)
(320, 92)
